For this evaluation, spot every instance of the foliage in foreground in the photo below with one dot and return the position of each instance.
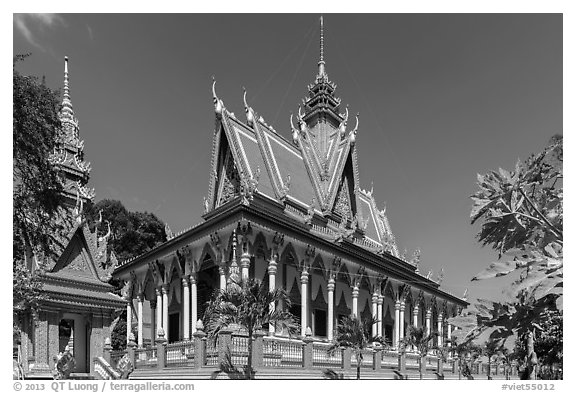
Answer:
(522, 218)
(355, 334)
(37, 204)
(417, 337)
(246, 306)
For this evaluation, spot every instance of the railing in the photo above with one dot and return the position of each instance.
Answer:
(180, 354)
(431, 363)
(389, 358)
(239, 350)
(274, 352)
(211, 352)
(104, 370)
(412, 360)
(322, 358)
(368, 359)
(282, 353)
(145, 357)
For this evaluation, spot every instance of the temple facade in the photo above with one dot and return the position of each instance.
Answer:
(78, 305)
(291, 211)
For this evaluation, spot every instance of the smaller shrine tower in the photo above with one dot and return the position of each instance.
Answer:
(70, 157)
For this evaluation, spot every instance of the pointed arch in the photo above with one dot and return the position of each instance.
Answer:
(343, 275)
(289, 256)
(342, 307)
(260, 246)
(294, 293)
(319, 301)
(318, 266)
(365, 283)
(389, 290)
(366, 312)
(206, 256)
(149, 286)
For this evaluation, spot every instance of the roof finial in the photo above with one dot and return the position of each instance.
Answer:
(66, 102)
(321, 63)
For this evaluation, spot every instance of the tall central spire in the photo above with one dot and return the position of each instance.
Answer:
(321, 71)
(67, 108)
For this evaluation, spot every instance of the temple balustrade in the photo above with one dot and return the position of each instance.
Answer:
(269, 352)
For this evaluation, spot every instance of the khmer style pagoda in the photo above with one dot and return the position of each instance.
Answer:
(289, 211)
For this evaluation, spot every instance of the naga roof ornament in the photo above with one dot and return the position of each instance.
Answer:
(344, 123)
(249, 111)
(218, 103)
(352, 134)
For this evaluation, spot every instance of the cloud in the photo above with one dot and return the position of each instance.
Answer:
(30, 24)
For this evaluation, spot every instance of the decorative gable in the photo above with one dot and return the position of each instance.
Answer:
(74, 261)
(343, 207)
(229, 180)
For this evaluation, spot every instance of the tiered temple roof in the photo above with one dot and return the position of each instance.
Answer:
(314, 175)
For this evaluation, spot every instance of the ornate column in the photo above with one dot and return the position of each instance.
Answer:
(165, 310)
(428, 322)
(222, 271)
(304, 300)
(186, 305)
(415, 311)
(380, 315)
(402, 308)
(449, 336)
(375, 313)
(440, 330)
(355, 293)
(245, 265)
(397, 323)
(194, 290)
(153, 312)
(128, 319)
(140, 320)
(159, 309)
(272, 268)
(331, 285)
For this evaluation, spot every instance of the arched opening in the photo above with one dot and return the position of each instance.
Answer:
(208, 281)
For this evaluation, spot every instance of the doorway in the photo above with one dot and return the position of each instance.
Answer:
(173, 327)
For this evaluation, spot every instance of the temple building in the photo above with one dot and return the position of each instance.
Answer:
(78, 306)
(290, 210)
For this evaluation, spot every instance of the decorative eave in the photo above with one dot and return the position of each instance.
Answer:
(269, 214)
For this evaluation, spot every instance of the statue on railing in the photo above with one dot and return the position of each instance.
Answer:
(125, 366)
(64, 364)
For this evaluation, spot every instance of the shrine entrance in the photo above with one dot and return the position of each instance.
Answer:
(73, 331)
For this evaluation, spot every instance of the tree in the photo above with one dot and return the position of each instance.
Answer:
(548, 345)
(522, 218)
(467, 352)
(133, 233)
(355, 334)
(491, 350)
(246, 306)
(37, 224)
(417, 337)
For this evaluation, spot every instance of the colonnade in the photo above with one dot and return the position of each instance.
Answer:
(159, 306)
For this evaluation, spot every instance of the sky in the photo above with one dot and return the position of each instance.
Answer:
(441, 97)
